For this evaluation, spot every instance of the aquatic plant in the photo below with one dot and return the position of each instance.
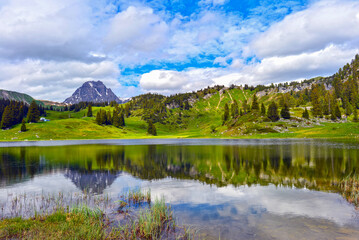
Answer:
(349, 188)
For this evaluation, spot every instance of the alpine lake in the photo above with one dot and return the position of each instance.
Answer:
(225, 189)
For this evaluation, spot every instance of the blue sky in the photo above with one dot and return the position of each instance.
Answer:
(48, 48)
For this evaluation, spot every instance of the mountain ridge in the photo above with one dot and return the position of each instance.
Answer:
(92, 91)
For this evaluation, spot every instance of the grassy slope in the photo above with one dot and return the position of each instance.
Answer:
(198, 122)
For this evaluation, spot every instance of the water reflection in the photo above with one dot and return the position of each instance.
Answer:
(310, 165)
(259, 190)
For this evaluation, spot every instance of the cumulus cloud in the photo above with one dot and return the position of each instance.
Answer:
(170, 82)
(45, 29)
(313, 29)
(135, 32)
(55, 80)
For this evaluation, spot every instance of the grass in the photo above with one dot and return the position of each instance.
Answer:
(151, 221)
(349, 187)
(203, 120)
(80, 223)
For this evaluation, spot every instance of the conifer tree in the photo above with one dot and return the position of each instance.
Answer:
(103, 117)
(6, 118)
(355, 115)
(285, 112)
(108, 118)
(337, 112)
(315, 97)
(122, 119)
(263, 110)
(151, 128)
(226, 113)
(234, 109)
(98, 117)
(23, 126)
(272, 113)
(34, 114)
(255, 105)
(115, 119)
(305, 114)
(89, 111)
(245, 107)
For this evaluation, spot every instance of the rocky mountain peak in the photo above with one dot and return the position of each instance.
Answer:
(92, 91)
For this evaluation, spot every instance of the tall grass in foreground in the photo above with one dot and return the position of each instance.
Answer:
(142, 219)
(349, 188)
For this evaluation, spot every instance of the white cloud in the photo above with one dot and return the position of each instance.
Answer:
(136, 32)
(324, 23)
(55, 80)
(170, 82)
(212, 2)
(45, 29)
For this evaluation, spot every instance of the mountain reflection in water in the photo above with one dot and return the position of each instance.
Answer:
(259, 190)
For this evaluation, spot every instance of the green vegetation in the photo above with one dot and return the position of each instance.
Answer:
(349, 188)
(289, 110)
(155, 221)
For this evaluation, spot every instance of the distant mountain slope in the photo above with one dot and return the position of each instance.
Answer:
(92, 91)
(10, 95)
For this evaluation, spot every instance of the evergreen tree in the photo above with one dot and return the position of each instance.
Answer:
(103, 117)
(285, 112)
(122, 119)
(34, 113)
(151, 128)
(98, 117)
(6, 118)
(305, 114)
(315, 97)
(255, 105)
(109, 118)
(337, 112)
(234, 109)
(115, 119)
(272, 113)
(23, 126)
(348, 109)
(226, 113)
(263, 110)
(245, 107)
(355, 115)
(89, 111)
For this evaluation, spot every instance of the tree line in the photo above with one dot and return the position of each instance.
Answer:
(14, 112)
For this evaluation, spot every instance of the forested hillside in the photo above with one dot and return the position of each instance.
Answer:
(319, 107)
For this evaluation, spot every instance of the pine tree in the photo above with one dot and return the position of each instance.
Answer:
(355, 115)
(98, 118)
(272, 113)
(305, 114)
(151, 128)
(115, 119)
(109, 118)
(315, 97)
(285, 112)
(103, 117)
(255, 105)
(6, 118)
(89, 111)
(226, 113)
(263, 110)
(234, 109)
(23, 126)
(122, 119)
(337, 112)
(34, 114)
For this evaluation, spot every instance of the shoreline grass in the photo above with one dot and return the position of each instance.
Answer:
(142, 220)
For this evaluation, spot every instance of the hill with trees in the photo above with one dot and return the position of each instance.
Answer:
(318, 107)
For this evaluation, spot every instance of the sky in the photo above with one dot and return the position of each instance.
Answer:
(48, 48)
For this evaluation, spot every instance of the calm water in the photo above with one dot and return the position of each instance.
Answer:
(235, 189)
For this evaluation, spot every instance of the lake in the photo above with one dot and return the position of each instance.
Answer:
(232, 189)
